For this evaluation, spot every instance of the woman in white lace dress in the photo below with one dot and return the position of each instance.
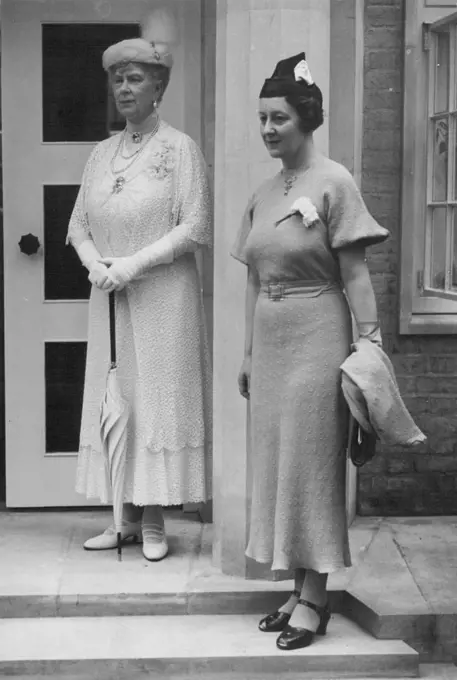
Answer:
(142, 211)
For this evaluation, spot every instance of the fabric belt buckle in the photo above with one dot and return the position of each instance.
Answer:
(276, 291)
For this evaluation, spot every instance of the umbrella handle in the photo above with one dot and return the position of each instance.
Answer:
(112, 326)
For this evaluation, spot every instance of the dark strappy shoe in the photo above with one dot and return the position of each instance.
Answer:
(297, 638)
(274, 623)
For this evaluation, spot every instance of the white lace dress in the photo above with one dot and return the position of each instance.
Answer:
(163, 356)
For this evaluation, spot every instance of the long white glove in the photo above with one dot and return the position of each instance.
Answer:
(90, 258)
(122, 270)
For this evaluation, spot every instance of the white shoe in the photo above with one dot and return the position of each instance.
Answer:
(108, 539)
(155, 545)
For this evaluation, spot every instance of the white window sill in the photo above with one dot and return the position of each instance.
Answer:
(428, 324)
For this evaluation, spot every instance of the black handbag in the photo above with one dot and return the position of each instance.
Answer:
(362, 444)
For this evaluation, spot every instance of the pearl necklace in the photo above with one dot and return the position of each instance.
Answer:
(120, 181)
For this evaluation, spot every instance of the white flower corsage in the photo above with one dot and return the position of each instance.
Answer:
(302, 72)
(305, 207)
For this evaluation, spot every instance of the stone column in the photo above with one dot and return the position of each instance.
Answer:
(346, 124)
(252, 35)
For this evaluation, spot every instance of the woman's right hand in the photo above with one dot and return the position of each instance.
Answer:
(244, 378)
(98, 276)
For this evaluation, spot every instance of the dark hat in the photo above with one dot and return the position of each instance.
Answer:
(291, 77)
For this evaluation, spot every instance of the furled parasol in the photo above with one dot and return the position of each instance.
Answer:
(114, 415)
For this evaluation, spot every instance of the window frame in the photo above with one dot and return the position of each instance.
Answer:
(423, 310)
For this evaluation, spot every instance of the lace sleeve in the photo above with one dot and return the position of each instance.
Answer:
(193, 214)
(78, 228)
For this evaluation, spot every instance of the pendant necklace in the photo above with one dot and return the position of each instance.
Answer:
(120, 181)
(289, 183)
(289, 180)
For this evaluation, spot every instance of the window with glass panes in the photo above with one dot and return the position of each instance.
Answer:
(428, 256)
(440, 273)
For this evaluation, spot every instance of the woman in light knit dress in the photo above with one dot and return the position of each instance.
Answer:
(298, 333)
(142, 211)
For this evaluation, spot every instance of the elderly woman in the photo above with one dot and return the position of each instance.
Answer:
(142, 211)
(303, 239)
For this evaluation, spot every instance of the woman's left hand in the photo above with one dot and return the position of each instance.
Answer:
(121, 270)
(371, 332)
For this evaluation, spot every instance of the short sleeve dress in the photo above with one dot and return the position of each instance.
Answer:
(302, 335)
(164, 364)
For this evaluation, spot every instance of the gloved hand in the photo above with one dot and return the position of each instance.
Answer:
(98, 275)
(370, 331)
(90, 258)
(120, 271)
(123, 270)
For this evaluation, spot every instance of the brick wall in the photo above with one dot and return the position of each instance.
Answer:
(402, 482)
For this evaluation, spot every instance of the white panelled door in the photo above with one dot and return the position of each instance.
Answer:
(56, 106)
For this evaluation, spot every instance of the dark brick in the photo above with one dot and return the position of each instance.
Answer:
(381, 140)
(384, 80)
(385, 284)
(410, 364)
(383, 60)
(386, 183)
(440, 431)
(431, 384)
(387, 307)
(443, 364)
(385, 99)
(382, 119)
(381, 38)
(436, 463)
(417, 405)
(439, 405)
(382, 204)
(385, 15)
(427, 344)
(413, 494)
(376, 466)
(381, 265)
(399, 464)
(382, 161)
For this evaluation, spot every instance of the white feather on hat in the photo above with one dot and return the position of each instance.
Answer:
(159, 27)
(158, 31)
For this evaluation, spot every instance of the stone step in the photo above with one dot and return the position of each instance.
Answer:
(158, 602)
(177, 647)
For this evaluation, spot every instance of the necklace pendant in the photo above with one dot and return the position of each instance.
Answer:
(118, 185)
(288, 184)
(137, 137)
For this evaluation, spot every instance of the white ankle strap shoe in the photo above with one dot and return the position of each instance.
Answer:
(131, 531)
(155, 544)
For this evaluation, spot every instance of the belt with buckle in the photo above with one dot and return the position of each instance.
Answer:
(279, 290)
(276, 291)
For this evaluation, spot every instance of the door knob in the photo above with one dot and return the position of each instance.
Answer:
(29, 244)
